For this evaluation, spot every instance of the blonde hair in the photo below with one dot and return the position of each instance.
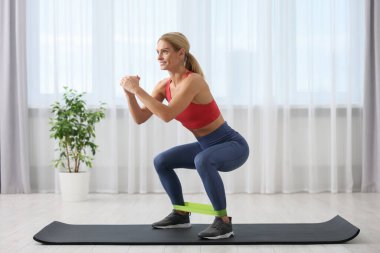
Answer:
(177, 41)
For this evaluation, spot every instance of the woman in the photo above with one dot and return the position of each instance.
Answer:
(218, 146)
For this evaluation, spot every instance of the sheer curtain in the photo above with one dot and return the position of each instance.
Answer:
(287, 75)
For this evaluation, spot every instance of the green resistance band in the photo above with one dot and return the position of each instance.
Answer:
(200, 208)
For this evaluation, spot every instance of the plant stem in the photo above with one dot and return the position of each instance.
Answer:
(76, 159)
(68, 157)
(76, 163)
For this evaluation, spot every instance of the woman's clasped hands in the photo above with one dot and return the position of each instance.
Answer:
(130, 83)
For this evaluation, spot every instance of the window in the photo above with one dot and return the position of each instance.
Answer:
(284, 52)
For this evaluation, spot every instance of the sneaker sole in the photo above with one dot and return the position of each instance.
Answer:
(185, 225)
(219, 236)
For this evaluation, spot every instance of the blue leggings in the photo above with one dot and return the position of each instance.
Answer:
(222, 150)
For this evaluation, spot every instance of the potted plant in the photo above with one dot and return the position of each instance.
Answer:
(73, 125)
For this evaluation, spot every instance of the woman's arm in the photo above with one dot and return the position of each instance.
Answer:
(186, 93)
(142, 114)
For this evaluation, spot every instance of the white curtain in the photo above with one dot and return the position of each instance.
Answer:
(371, 105)
(287, 75)
(14, 159)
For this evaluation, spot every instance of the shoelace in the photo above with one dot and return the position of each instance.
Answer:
(172, 214)
(217, 224)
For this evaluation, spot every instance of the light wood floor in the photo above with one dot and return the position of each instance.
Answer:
(21, 216)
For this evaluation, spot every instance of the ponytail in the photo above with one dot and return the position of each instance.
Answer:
(192, 64)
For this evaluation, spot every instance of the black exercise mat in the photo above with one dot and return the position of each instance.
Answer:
(336, 230)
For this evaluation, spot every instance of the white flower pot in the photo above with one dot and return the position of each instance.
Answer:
(74, 186)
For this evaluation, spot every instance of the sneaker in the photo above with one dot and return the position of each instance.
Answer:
(217, 230)
(174, 220)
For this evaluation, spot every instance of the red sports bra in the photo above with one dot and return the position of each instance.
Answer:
(195, 115)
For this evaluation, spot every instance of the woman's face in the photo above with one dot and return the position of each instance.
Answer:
(167, 57)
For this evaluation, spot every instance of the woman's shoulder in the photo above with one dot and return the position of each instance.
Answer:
(196, 79)
(163, 82)
(161, 86)
(196, 76)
